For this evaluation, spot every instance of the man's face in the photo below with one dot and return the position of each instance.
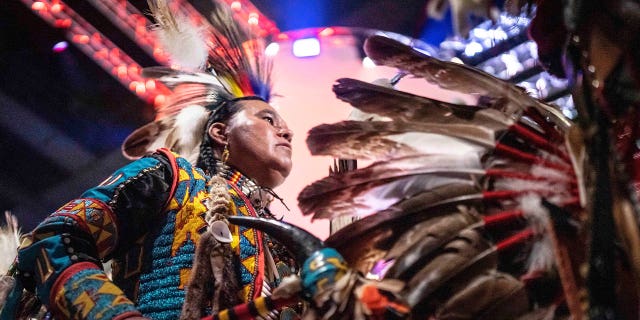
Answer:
(259, 143)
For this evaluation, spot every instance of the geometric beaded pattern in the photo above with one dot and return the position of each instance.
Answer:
(96, 218)
(161, 287)
(248, 247)
(89, 294)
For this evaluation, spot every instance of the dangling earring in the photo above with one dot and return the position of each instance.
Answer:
(225, 154)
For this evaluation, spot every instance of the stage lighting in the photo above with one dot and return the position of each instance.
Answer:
(308, 47)
(60, 46)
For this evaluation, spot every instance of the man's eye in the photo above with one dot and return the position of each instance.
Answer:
(268, 119)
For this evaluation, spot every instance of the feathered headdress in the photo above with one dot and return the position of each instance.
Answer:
(211, 64)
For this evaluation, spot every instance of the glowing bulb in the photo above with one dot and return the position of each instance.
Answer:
(55, 8)
(81, 38)
(159, 100)
(472, 49)
(326, 32)
(308, 47)
(140, 88)
(236, 5)
(253, 18)
(272, 49)
(150, 84)
(122, 71)
(38, 5)
(60, 46)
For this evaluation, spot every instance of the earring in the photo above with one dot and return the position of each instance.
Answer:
(225, 153)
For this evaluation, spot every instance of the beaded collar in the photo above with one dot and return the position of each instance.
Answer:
(260, 197)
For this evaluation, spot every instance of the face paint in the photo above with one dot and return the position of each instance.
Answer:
(259, 143)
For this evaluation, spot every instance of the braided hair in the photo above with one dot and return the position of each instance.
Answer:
(221, 113)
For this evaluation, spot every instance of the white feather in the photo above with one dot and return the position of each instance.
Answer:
(382, 197)
(552, 174)
(430, 143)
(186, 44)
(189, 132)
(200, 77)
(541, 256)
(9, 241)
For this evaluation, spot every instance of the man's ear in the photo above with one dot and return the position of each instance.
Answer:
(218, 133)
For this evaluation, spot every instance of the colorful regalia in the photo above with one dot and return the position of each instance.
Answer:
(147, 217)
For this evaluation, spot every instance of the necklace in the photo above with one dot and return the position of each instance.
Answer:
(259, 196)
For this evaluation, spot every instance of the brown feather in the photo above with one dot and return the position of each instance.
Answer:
(489, 296)
(468, 254)
(346, 194)
(404, 106)
(365, 241)
(418, 244)
(457, 77)
(368, 139)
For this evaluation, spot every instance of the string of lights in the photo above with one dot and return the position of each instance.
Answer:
(95, 45)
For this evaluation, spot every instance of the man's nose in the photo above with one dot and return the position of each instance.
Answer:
(286, 133)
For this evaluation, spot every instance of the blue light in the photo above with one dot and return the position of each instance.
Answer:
(308, 47)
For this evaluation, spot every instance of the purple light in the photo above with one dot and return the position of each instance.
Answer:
(60, 46)
(306, 47)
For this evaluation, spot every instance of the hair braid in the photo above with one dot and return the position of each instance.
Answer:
(207, 160)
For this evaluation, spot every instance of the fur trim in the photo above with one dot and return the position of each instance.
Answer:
(213, 280)
(6, 285)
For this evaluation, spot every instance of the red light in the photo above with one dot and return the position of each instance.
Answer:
(133, 85)
(150, 84)
(101, 54)
(159, 100)
(158, 53)
(81, 38)
(253, 18)
(327, 32)
(38, 5)
(122, 71)
(283, 36)
(96, 37)
(62, 23)
(140, 88)
(56, 8)
(134, 70)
